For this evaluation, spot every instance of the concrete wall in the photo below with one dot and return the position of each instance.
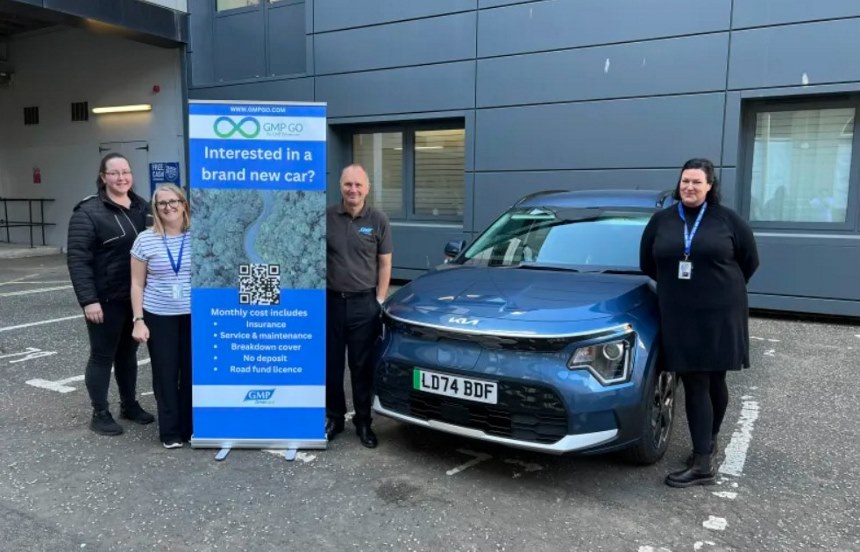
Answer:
(58, 67)
(570, 94)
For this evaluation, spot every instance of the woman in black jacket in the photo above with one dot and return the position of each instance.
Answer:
(702, 255)
(101, 232)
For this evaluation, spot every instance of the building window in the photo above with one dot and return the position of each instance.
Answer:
(381, 154)
(416, 171)
(224, 5)
(800, 172)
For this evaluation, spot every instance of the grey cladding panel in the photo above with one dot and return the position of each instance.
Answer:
(496, 192)
(560, 24)
(239, 47)
(732, 131)
(449, 86)
(300, 90)
(760, 13)
(641, 133)
(626, 70)
(287, 40)
(430, 254)
(826, 261)
(728, 188)
(397, 44)
(781, 56)
(342, 14)
(200, 45)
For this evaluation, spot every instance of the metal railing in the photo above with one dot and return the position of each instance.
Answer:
(29, 223)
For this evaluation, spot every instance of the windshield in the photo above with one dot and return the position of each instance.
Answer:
(587, 240)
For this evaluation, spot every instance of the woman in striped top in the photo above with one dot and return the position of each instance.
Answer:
(161, 301)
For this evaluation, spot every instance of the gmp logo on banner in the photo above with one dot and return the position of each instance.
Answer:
(227, 127)
(260, 396)
(257, 173)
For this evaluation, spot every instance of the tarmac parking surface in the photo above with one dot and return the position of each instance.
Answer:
(789, 479)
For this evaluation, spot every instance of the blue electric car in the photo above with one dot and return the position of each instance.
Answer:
(542, 335)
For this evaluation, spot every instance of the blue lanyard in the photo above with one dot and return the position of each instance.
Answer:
(173, 263)
(688, 234)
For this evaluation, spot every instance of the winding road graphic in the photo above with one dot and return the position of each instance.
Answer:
(254, 229)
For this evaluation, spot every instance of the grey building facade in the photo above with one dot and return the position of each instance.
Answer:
(459, 107)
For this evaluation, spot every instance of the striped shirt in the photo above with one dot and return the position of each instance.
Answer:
(161, 280)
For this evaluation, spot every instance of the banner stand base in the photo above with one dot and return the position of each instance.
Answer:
(290, 454)
(222, 454)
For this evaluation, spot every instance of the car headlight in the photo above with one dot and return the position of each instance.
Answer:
(609, 362)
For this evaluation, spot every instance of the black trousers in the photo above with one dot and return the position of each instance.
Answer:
(706, 398)
(111, 344)
(170, 350)
(352, 328)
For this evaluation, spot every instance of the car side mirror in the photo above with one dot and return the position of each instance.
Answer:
(453, 248)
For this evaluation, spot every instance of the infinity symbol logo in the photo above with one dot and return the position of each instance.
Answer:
(242, 127)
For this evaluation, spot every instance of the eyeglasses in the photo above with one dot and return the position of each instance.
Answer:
(169, 203)
(115, 174)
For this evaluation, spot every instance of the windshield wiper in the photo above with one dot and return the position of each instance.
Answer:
(535, 266)
(620, 271)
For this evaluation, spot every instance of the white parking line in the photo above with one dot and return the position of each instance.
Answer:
(35, 282)
(715, 523)
(31, 324)
(16, 280)
(736, 451)
(478, 458)
(59, 386)
(31, 291)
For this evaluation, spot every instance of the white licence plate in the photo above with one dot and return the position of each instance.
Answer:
(455, 386)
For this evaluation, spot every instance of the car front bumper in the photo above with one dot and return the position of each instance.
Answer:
(568, 443)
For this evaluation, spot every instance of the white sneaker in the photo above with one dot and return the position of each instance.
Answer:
(172, 444)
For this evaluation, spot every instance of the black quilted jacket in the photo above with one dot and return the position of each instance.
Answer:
(101, 234)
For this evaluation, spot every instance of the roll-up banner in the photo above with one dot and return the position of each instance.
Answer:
(257, 178)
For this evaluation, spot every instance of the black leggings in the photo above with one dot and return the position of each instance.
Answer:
(111, 344)
(706, 398)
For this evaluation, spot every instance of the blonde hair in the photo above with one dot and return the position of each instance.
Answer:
(157, 227)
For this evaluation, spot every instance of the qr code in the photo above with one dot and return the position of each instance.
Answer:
(259, 284)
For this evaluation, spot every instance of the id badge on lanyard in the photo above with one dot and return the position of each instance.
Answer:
(176, 265)
(685, 266)
(685, 270)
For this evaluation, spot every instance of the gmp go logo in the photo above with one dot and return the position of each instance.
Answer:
(284, 128)
(225, 127)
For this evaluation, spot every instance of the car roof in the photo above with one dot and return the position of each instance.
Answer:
(648, 199)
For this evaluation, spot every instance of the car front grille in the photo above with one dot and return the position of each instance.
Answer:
(525, 412)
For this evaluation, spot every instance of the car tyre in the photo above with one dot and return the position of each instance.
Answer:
(657, 420)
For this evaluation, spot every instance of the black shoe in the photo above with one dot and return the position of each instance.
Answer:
(136, 413)
(700, 473)
(366, 436)
(104, 424)
(715, 448)
(332, 428)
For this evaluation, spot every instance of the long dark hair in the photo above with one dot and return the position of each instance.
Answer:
(103, 167)
(713, 197)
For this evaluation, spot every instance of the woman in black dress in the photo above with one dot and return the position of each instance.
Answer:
(702, 255)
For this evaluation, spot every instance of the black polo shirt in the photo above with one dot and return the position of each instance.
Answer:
(352, 247)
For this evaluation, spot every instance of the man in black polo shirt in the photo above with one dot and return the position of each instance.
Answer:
(358, 258)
